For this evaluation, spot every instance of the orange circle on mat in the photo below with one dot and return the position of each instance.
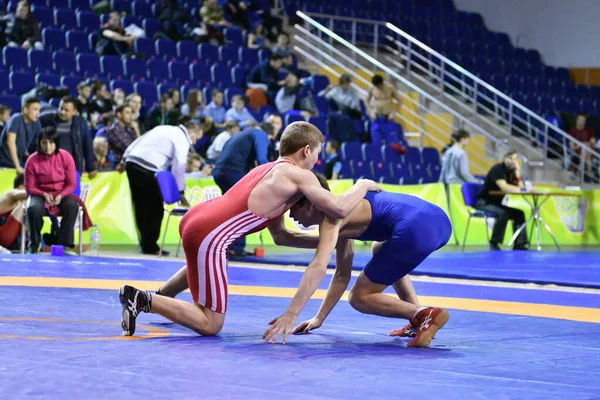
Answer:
(153, 332)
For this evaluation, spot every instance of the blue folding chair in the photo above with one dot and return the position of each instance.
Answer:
(170, 193)
(469, 193)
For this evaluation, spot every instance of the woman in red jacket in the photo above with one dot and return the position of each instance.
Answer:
(50, 181)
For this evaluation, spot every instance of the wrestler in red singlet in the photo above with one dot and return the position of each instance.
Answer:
(209, 228)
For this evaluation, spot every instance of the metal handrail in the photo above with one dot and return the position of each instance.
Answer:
(534, 123)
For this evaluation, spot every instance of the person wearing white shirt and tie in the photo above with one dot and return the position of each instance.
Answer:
(164, 147)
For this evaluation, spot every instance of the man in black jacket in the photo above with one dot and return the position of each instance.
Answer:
(73, 134)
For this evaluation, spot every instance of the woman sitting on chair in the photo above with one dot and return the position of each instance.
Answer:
(50, 180)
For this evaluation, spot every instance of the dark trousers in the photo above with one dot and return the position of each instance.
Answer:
(503, 215)
(225, 181)
(147, 204)
(35, 217)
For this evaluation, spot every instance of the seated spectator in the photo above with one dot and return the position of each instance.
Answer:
(215, 109)
(162, 114)
(101, 154)
(176, 97)
(455, 162)
(277, 122)
(215, 148)
(286, 99)
(84, 91)
(4, 116)
(196, 167)
(333, 164)
(194, 105)
(11, 213)
(118, 98)
(256, 37)
(211, 13)
(282, 46)
(104, 123)
(344, 97)
(239, 113)
(72, 134)
(586, 136)
(19, 137)
(237, 10)
(23, 30)
(134, 101)
(50, 181)
(101, 102)
(112, 40)
(120, 135)
(265, 76)
(383, 126)
(505, 177)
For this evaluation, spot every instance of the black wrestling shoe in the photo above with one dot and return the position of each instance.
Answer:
(133, 301)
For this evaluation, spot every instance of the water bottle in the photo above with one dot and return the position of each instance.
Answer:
(95, 241)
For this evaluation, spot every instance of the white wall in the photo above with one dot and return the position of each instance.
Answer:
(565, 32)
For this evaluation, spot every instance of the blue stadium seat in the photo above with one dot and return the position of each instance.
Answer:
(248, 57)
(208, 54)
(319, 123)
(147, 90)
(291, 117)
(134, 66)
(380, 170)
(21, 81)
(71, 82)
(141, 9)
(88, 21)
(78, 41)
(221, 75)
(79, 4)
(206, 94)
(15, 57)
(434, 172)
(185, 89)
(65, 18)
(151, 26)
(158, 70)
(361, 169)
(413, 155)
(234, 36)
(165, 48)
(400, 170)
(179, 71)
(130, 20)
(351, 151)
(187, 50)
(50, 79)
(238, 76)
(120, 5)
(88, 64)
(58, 3)
(112, 66)
(228, 54)
(53, 39)
(121, 84)
(200, 73)
(264, 54)
(144, 46)
(4, 83)
(372, 152)
(431, 156)
(164, 87)
(319, 82)
(43, 15)
(11, 102)
(346, 172)
(319, 167)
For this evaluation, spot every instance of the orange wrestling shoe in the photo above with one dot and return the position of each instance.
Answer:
(428, 321)
(408, 331)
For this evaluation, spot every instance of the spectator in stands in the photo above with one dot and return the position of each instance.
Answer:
(505, 177)
(23, 30)
(211, 13)
(237, 10)
(4, 116)
(162, 114)
(256, 37)
(104, 123)
(344, 97)
(163, 148)
(455, 162)
(383, 126)
(19, 137)
(72, 134)
(586, 136)
(120, 135)
(194, 105)
(265, 76)
(286, 98)
(169, 10)
(196, 167)
(333, 164)
(216, 147)
(239, 112)
(11, 212)
(101, 160)
(101, 102)
(113, 41)
(118, 98)
(215, 109)
(175, 96)
(277, 122)
(134, 101)
(282, 46)
(242, 152)
(50, 181)
(84, 91)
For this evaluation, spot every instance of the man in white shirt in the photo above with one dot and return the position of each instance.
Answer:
(231, 128)
(163, 148)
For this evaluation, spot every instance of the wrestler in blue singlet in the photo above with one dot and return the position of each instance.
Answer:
(411, 228)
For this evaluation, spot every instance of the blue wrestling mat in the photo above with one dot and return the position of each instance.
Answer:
(60, 338)
(578, 269)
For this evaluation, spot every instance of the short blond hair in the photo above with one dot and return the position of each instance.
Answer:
(298, 135)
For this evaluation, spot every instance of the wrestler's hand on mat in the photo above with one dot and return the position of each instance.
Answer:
(307, 326)
(282, 324)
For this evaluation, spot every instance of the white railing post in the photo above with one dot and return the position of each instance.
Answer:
(376, 42)
(546, 134)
